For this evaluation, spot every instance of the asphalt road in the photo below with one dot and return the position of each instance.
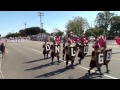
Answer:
(24, 60)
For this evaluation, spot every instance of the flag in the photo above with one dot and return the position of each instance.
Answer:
(58, 40)
(79, 39)
(86, 40)
(102, 41)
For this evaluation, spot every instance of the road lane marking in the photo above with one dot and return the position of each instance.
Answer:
(36, 51)
(6, 51)
(1, 68)
(82, 67)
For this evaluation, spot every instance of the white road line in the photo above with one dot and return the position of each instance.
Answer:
(6, 51)
(1, 68)
(111, 76)
(36, 51)
(82, 67)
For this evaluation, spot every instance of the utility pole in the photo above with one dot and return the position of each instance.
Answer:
(41, 24)
(25, 25)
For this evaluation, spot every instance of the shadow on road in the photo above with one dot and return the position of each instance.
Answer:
(52, 73)
(39, 67)
(36, 60)
(90, 76)
(59, 71)
(42, 66)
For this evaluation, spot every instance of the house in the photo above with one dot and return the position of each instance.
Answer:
(41, 37)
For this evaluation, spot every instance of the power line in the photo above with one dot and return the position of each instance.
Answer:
(41, 14)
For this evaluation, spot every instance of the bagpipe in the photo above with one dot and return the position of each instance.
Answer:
(100, 41)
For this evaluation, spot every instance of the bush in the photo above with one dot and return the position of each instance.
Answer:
(110, 38)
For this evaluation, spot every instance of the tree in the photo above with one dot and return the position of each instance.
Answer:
(11, 35)
(77, 25)
(22, 33)
(31, 31)
(103, 20)
(115, 26)
(59, 33)
(94, 31)
(88, 32)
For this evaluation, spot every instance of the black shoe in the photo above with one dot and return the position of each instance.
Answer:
(72, 67)
(52, 63)
(58, 61)
(79, 62)
(101, 73)
(66, 67)
(107, 71)
(88, 71)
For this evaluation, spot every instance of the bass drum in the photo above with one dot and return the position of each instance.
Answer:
(108, 55)
(100, 59)
(85, 49)
(72, 52)
(56, 50)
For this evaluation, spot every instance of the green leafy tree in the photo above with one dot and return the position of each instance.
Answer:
(115, 27)
(94, 31)
(103, 20)
(77, 25)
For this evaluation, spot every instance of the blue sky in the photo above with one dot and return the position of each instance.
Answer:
(13, 21)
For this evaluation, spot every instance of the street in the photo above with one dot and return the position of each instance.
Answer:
(24, 60)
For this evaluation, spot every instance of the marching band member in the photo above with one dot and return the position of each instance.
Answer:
(2, 47)
(46, 49)
(80, 54)
(67, 54)
(3, 50)
(64, 44)
(53, 54)
(80, 48)
(93, 60)
(83, 47)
